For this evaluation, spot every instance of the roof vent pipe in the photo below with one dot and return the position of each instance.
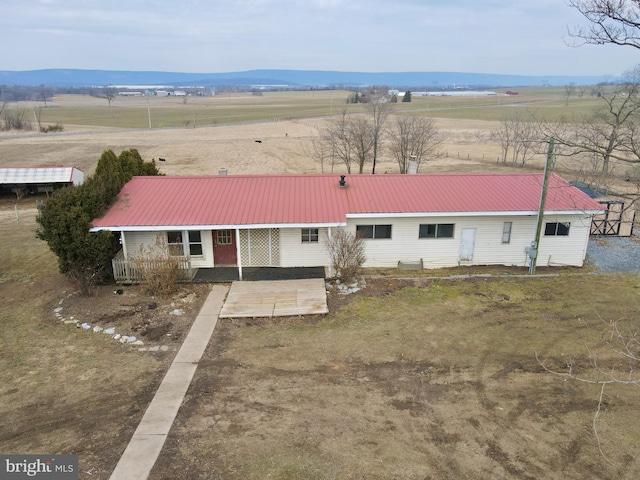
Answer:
(413, 165)
(343, 182)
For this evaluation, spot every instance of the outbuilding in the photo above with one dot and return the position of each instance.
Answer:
(32, 180)
(435, 221)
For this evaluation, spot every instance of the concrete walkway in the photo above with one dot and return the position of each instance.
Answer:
(147, 441)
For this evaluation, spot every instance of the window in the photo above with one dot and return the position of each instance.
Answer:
(373, 231)
(174, 242)
(556, 229)
(224, 237)
(436, 230)
(195, 244)
(309, 235)
(506, 232)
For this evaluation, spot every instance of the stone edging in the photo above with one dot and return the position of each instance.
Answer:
(111, 331)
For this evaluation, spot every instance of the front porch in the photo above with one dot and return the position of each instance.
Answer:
(128, 271)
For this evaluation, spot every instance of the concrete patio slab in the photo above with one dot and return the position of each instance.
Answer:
(275, 298)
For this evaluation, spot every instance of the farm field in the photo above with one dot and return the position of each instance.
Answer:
(210, 133)
(409, 379)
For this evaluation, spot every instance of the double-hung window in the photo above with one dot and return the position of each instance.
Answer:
(195, 243)
(174, 242)
(309, 235)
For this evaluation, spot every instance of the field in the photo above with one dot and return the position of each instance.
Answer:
(412, 378)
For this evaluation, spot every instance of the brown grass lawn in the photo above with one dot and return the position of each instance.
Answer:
(434, 381)
(415, 379)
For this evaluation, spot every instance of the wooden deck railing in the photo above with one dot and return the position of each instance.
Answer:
(127, 271)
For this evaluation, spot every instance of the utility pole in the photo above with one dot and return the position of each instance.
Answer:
(533, 249)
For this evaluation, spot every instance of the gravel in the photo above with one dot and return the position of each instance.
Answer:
(614, 254)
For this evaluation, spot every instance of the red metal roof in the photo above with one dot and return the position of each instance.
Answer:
(318, 199)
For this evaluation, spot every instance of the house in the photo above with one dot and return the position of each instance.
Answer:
(440, 220)
(27, 180)
(619, 213)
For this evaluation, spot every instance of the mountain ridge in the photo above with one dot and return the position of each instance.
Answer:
(58, 77)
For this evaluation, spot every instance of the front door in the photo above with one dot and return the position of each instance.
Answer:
(467, 241)
(224, 247)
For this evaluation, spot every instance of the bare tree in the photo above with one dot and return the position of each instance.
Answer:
(379, 108)
(346, 251)
(109, 93)
(569, 90)
(518, 137)
(321, 150)
(614, 22)
(361, 134)
(414, 138)
(612, 133)
(338, 136)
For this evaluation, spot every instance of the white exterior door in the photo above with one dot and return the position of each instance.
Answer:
(467, 240)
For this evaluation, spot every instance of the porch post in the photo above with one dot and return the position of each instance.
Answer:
(239, 253)
(329, 254)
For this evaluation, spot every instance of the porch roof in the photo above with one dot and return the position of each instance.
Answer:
(253, 200)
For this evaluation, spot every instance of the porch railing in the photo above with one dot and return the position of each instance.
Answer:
(127, 271)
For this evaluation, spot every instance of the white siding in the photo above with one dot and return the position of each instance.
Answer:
(294, 253)
(405, 245)
(135, 241)
(568, 250)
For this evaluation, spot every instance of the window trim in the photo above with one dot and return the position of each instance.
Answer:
(436, 227)
(374, 236)
(309, 235)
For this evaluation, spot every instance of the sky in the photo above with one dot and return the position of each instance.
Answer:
(520, 37)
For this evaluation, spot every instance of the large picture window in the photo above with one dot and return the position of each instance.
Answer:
(436, 230)
(373, 231)
(558, 229)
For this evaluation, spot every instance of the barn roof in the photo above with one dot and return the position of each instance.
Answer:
(147, 203)
(31, 175)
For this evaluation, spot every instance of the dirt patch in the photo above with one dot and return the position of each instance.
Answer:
(132, 312)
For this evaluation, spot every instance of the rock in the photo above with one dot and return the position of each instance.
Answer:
(85, 326)
(57, 310)
(69, 322)
(354, 289)
(137, 343)
(164, 348)
(131, 339)
(123, 339)
(177, 312)
(97, 329)
(154, 348)
(109, 331)
(116, 336)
